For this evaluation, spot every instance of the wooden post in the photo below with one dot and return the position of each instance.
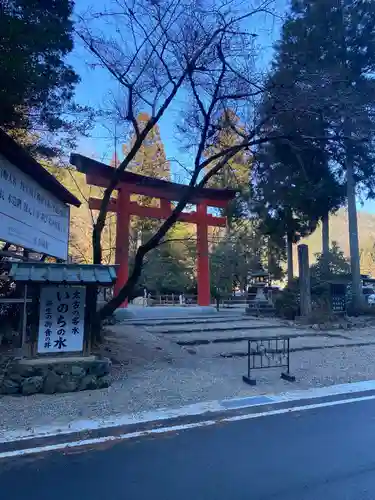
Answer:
(91, 327)
(34, 324)
(24, 323)
(304, 280)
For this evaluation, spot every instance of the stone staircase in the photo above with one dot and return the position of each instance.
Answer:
(260, 309)
(217, 331)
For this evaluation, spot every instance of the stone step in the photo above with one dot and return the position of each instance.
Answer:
(262, 314)
(184, 321)
(226, 337)
(133, 312)
(303, 348)
(214, 328)
(298, 344)
(260, 309)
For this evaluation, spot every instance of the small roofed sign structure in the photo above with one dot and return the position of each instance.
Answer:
(34, 206)
(99, 174)
(63, 305)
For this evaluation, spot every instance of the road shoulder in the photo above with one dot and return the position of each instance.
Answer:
(127, 426)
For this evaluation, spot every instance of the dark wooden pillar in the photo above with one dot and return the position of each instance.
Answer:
(304, 280)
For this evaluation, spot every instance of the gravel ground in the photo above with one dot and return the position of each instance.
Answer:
(177, 378)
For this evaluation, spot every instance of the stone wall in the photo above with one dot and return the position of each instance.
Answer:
(52, 376)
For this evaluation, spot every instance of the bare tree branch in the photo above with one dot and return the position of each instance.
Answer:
(201, 52)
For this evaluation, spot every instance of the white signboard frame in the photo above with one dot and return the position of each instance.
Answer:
(61, 319)
(30, 216)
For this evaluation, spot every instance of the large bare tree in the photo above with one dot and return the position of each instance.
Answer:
(201, 53)
(197, 55)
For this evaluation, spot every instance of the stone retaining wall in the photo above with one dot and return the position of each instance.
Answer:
(48, 377)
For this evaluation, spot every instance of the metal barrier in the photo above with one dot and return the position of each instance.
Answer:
(270, 352)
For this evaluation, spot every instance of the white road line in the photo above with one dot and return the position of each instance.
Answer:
(175, 428)
(195, 409)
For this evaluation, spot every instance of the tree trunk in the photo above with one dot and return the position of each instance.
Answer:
(325, 235)
(125, 291)
(289, 252)
(325, 243)
(96, 244)
(269, 256)
(353, 238)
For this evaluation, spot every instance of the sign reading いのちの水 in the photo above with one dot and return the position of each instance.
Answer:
(61, 319)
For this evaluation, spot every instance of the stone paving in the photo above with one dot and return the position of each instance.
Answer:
(152, 371)
(228, 335)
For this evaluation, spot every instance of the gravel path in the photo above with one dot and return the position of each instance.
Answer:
(177, 378)
(151, 371)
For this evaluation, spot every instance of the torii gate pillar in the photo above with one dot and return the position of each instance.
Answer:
(203, 265)
(122, 246)
(122, 239)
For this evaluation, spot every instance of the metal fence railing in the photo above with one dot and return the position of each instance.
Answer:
(191, 300)
(175, 299)
(171, 299)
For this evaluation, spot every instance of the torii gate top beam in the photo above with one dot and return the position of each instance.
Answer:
(99, 174)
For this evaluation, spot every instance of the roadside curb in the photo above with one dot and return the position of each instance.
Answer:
(90, 431)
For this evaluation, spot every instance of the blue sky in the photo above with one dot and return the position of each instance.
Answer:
(96, 86)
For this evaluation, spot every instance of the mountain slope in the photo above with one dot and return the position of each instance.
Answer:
(339, 233)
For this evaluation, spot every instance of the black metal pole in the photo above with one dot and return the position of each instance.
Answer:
(246, 378)
(248, 358)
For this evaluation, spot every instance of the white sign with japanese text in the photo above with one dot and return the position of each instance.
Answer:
(30, 216)
(61, 319)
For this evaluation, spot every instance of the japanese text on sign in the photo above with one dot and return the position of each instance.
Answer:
(61, 320)
(31, 216)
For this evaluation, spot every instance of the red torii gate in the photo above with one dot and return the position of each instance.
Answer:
(99, 174)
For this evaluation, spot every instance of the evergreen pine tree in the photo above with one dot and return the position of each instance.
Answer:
(236, 173)
(150, 161)
(324, 69)
(35, 81)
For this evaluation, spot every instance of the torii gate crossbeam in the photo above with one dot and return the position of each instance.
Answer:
(99, 174)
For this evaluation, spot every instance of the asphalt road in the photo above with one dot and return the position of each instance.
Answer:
(326, 454)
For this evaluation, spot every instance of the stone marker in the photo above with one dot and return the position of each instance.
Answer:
(304, 280)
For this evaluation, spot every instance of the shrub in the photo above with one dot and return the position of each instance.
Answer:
(287, 304)
(363, 310)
